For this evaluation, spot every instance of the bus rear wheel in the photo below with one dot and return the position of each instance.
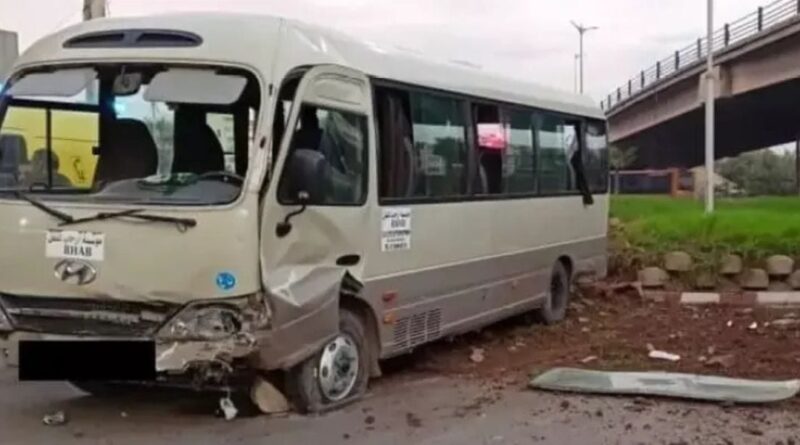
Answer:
(555, 307)
(337, 374)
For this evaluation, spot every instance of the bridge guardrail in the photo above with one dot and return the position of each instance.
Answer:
(764, 18)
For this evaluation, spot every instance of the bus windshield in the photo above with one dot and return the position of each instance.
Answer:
(133, 133)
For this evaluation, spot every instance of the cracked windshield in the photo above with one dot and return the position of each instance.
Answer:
(128, 133)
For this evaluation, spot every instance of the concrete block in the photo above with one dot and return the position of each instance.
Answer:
(700, 298)
(780, 266)
(754, 279)
(653, 277)
(677, 261)
(731, 265)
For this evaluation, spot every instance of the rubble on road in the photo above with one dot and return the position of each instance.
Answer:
(477, 355)
(55, 419)
(663, 355)
(267, 397)
(666, 384)
(227, 407)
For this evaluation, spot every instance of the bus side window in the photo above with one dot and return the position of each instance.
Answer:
(491, 149)
(326, 159)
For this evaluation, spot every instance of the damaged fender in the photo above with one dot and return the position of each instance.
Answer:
(304, 301)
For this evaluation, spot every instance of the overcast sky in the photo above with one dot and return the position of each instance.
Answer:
(532, 39)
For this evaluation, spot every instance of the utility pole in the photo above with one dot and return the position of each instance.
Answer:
(575, 71)
(710, 96)
(582, 29)
(93, 9)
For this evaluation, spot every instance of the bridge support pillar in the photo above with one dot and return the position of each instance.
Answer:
(797, 165)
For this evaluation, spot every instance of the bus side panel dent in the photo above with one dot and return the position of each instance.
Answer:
(305, 305)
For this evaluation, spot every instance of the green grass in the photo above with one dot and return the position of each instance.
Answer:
(752, 227)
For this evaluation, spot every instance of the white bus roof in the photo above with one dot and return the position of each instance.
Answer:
(252, 40)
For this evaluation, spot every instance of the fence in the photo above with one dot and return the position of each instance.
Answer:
(764, 18)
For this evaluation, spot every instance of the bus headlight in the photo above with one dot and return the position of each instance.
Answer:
(216, 320)
(202, 323)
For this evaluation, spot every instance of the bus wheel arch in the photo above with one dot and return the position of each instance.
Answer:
(339, 371)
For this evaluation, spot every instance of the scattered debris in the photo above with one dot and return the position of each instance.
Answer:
(663, 355)
(55, 419)
(583, 320)
(688, 386)
(123, 414)
(227, 407)
(729, 323)
(786, 323)
(588, 359)
(724, 360)
(564, 405)
(753, 326)
(369, 420)
(413, 421)
(477, 355)
(753, 431)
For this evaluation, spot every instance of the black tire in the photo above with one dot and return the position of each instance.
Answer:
(303, 385)
(555, 307)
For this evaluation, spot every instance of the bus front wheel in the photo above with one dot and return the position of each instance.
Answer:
(337, 374)
(555, 307)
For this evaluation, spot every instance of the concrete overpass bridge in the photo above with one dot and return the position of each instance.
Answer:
(757, 64)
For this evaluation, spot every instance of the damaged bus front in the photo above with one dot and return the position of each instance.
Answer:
(126, 211)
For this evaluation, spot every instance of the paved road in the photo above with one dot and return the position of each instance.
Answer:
(402, 409)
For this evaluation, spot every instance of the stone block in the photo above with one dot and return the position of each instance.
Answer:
(653, 277)
(677, 261)
(731, 265)
(779, 265)
(754, 279)
(794, 280)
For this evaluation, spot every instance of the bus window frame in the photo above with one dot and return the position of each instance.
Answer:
(377, 83)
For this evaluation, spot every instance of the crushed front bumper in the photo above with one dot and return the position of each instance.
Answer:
(172, 357)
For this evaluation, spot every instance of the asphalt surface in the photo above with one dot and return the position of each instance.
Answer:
(403, 408)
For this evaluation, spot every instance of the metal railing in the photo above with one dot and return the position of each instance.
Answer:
(764, 18)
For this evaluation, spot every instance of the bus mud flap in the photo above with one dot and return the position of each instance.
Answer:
(305, 313)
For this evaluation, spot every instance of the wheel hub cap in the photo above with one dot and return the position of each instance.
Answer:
(338, 368)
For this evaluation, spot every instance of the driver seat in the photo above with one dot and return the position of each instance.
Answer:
(131, 153)
(197, 148)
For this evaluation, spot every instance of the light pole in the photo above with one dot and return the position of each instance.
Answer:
(582, 29)
(575, 72)
(710, 95)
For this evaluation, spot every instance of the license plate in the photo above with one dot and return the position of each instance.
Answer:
(74, 244)
(96, 360)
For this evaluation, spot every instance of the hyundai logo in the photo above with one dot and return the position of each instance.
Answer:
(76, 272)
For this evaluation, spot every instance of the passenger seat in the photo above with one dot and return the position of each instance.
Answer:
(129, 153)
(197, 148)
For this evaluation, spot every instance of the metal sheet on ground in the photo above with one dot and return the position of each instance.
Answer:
(667, 384)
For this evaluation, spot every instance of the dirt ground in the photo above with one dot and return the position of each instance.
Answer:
(615, 333)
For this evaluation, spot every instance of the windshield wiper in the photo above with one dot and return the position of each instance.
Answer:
(182, 223)
(64, 217)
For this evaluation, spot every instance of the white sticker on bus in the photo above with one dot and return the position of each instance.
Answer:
(74, 244)
(395, 229)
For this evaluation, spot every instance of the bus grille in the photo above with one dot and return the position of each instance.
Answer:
(415, 329)
(71, 316)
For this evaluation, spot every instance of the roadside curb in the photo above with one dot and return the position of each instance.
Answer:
(746, 298)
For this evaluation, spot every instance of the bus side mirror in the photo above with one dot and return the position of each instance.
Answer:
(284, 227)
(308, 177)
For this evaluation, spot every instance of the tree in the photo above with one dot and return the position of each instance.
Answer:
(620, 158)
(761, 172)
